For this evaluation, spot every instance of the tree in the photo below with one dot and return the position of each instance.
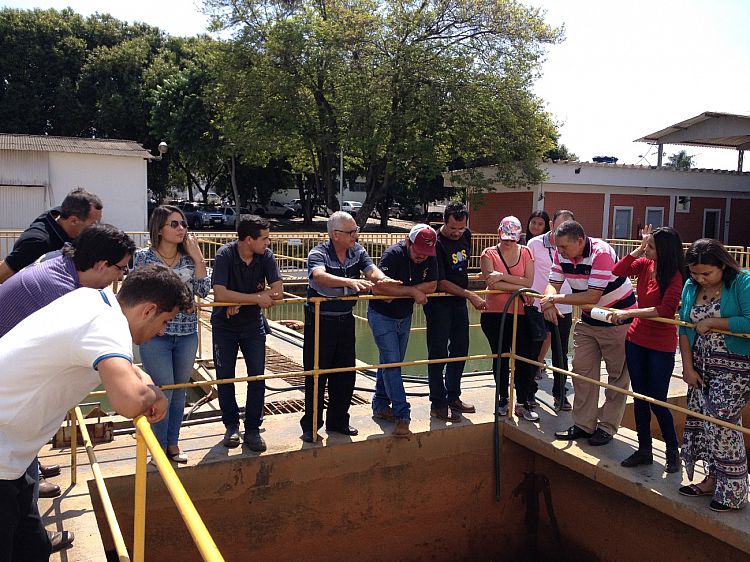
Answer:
(681, 160)
(561, 152)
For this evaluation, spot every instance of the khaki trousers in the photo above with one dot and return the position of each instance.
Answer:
(591, 344)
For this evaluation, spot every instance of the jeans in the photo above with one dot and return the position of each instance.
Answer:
(336, 348)
(391, 336)
(169, 360)
(564, 324)
(524, 378)
(252, 341)
(650, 372)
(22, 534)
(447, 336)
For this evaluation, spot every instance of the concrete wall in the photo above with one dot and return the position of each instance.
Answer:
(430, 498)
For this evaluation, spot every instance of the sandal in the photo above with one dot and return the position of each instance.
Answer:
(694, 490)
(720, 507)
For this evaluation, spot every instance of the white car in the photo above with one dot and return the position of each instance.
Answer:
(276, 209)
(351, 207)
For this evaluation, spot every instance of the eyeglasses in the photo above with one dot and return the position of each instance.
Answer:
(123, 268)
(175, 224)
(349, 232)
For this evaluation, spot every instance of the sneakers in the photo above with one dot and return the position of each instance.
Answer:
(524, 411)
(231, 437)
(565, 407)
(639, 457)
(254, 441)
(402, 429)
(532, 403)
(445, 414)
(502, 407)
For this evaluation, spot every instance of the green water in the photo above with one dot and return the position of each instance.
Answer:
(367, 351)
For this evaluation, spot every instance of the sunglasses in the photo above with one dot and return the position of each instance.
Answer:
(175, 224)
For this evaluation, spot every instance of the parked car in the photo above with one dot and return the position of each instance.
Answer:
(296, 204)
(434, 219)
(351, 207)
(276, 209)
(229, 215)
(202, 216)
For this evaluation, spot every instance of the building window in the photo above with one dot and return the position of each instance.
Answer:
(711, 223)
(655, 216)
(683, 204)
(622, 223)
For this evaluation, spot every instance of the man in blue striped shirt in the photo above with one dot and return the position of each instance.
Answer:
(334, 270)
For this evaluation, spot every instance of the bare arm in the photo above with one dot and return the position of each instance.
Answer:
(451, 288)
(689, 374)
(130, 390)
(618, 317)
(263, 299)
(5, 272)
(325, 279)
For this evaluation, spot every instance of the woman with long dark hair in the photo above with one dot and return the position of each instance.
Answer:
(169, 358)
(716, 367)
(650, 346)
(537, 225)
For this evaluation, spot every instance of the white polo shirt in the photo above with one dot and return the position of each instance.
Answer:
(49, 364)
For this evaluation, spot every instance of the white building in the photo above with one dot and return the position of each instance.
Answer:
(36, 172)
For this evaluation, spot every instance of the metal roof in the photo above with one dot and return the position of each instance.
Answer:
(718, 130)
(42, 143)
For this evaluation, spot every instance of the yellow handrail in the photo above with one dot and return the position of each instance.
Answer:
(145, 438)
(109, 511)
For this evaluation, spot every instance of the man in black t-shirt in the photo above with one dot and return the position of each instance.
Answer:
(448, 318)
(242, 269)
(413, 263)
(50, 231)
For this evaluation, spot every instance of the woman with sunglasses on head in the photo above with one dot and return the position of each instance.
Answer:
(716, 367)
(169, 358)
(650, 346)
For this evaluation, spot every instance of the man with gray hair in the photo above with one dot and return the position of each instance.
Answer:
(334, 269)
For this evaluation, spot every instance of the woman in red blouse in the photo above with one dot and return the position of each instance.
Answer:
(659, 264)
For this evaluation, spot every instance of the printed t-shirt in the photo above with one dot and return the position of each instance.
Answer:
(453, 258)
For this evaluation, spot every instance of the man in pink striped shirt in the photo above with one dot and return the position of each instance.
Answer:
(586, 263)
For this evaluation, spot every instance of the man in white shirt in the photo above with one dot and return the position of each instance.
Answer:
(542, 247)
(52, 360)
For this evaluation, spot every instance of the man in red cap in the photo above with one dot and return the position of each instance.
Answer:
(412, 262)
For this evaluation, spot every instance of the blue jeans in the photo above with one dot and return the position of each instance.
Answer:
(447, 336)
(650, 372)
(252, 341)
(391, 336)
(169, 360)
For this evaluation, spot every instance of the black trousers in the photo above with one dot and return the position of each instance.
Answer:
(525, 372)
(22, 534)
(564, 324)
(336, 349)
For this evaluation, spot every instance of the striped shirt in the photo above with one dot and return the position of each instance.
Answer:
(323, 256)
(593, 270)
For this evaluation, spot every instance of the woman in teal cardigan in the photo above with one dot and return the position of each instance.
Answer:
(717, 369)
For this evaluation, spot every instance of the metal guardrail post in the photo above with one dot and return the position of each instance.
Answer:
(73, 447)
(512, 362)
(139, 520)
(316, 371)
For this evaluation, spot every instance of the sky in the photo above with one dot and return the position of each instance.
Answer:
(626, 68)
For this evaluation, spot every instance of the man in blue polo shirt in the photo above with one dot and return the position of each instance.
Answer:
(334, 269)
(242, 269)
(412, 262)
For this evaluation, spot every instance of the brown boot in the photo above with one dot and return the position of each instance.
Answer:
(462, 407)
(402, 429)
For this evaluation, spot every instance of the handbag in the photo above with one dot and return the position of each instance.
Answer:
(535, 323)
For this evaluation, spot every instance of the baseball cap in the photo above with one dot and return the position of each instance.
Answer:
(423, 238)
(510, 229)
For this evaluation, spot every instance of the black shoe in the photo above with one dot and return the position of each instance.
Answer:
(673, 461)
(49, 471)
(637, 458)
(48, 489)
(348, 430)
(307, 436)
(231, 437)
(254, 441)
(571, 434)
(60, 539)
(600, 437)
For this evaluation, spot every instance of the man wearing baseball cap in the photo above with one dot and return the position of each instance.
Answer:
(411, 261)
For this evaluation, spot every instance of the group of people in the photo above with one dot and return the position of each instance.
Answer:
(64, 301)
